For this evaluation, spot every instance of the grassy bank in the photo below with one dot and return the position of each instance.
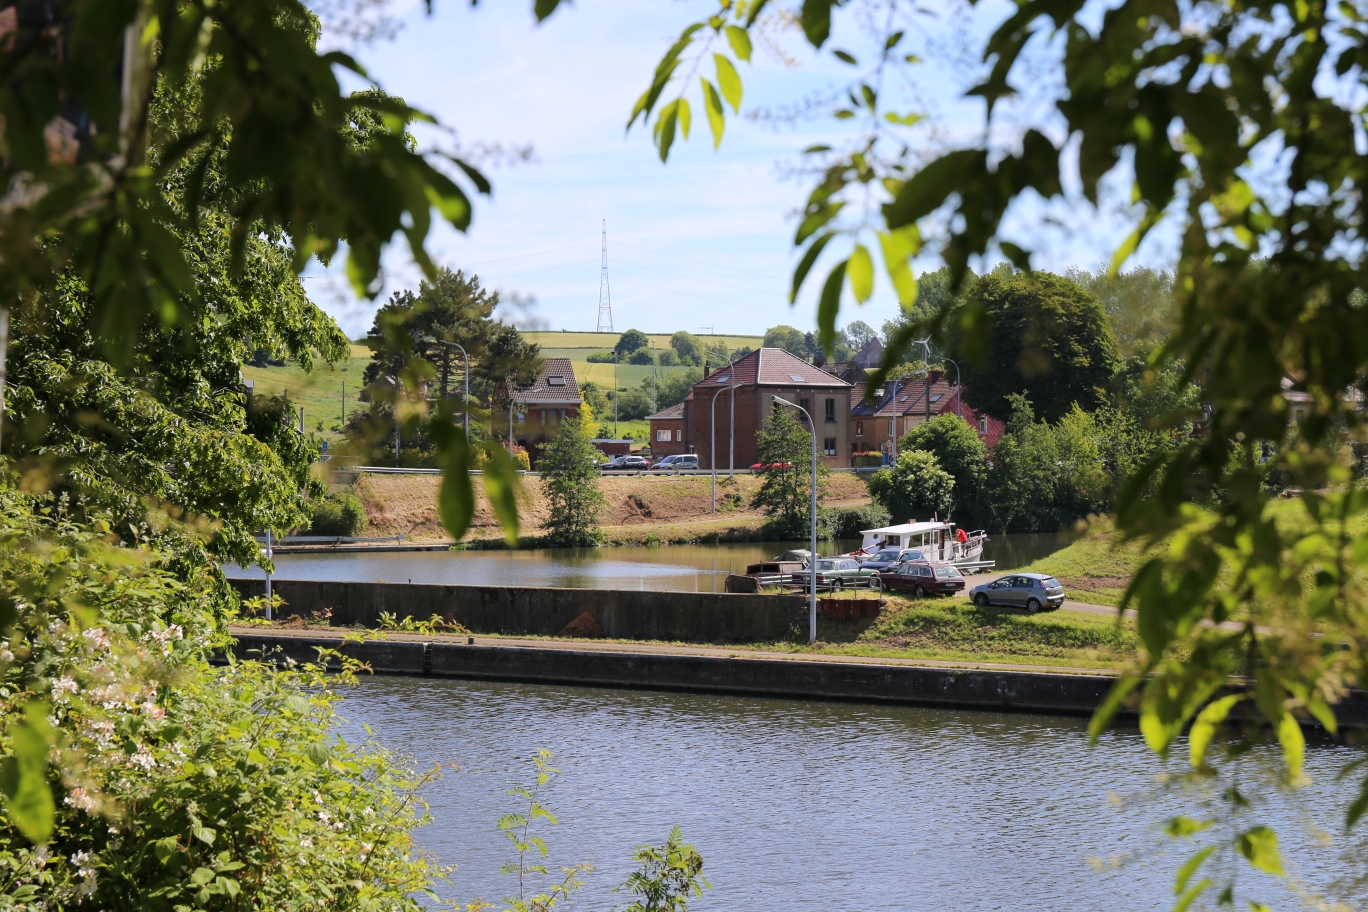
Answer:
(640, 508)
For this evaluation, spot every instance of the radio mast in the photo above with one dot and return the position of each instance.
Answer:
(605, 314)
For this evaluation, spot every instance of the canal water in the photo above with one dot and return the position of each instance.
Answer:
(689, 568)
(829, 806)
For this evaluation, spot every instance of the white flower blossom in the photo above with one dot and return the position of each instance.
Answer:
(325, 817)
(82, 800)
(63, 686)
(97, 637)
(5, 654)
(143, 758)
(306, 842)
(40, 857)
(365, 850)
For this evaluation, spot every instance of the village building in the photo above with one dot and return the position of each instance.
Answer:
(667, 432)
(539, 409)
(902, 405)
(869, 354)
(757, 378)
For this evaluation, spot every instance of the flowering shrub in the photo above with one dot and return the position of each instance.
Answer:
(137, 776)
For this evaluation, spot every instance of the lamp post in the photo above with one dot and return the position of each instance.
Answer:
(268, 574)
(812, 564)
(959, 393)
(465, 406)
(712, 443)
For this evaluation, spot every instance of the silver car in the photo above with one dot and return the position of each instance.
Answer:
(890, 557)
(1032, 591)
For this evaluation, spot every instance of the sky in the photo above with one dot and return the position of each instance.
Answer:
(703, 243)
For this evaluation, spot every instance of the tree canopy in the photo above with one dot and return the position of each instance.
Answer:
(1049, 340)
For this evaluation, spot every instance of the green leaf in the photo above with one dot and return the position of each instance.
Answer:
(806, 263)
(456, 497)
(830, 306)
(166, 848)
(318, 752)
(860, 268)
(1293, 743)
(816, 20)
(665, 128)
(846, 57)
(712, 104)
(202, 876)
(1182, 827)
(205, 835)
(1259, 846)
(898, 248)
(1190, 867)
(1187, 899)
(23, 774)
(729, 81)
(684, 115)
(815, 219)
(501, 489)
(543, 8)
(740, 42)
(1205, 725)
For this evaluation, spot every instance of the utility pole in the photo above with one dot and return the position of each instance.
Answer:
(616, 393)
(605, 310)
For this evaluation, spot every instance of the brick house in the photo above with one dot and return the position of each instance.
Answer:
(667, 431)
(869, 354)
(762, 374)
(539, 408)
(902, 406)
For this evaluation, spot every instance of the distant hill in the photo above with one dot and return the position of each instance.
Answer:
(606, 341)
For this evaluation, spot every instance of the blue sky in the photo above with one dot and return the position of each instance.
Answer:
(703, 243)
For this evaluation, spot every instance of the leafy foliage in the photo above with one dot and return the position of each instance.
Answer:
(915, 487)
(570, 483)
(963, 455)
(517, 826)
(1050, 341)
(784, 448)
(338, 513)
(1232, 122)
(670, 875)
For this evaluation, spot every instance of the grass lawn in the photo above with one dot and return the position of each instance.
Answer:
(955, 629)
(321, 391)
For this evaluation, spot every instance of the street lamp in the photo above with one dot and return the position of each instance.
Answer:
(812, 566)
(959, 393)
(712, 443)
(465, 408)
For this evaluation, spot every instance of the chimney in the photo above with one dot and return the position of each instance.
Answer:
(937, 376)
(707, 370)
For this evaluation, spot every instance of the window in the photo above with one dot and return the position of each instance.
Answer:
(555, 415)
(829, 446)
(983, 425)
(859, 429)
(722, 379)
(796, 378)
(543, 415)
(555, 381)
(805, 405)
(831, 410)
(679, 435)
(890, 428)
(662, 436)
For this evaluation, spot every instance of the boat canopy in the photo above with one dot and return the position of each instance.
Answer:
(907, 535)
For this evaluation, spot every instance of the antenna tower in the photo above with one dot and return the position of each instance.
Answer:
(605, 314)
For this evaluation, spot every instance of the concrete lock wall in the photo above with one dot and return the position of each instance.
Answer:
(634, 615)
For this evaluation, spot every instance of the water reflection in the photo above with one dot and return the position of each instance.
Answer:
(687, 568)
(818, 806)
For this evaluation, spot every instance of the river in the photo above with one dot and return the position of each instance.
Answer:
(690, 568)
(829, 806)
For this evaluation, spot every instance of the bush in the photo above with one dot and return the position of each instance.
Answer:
(849, 522)
(641, 356)
(915, 488)
(600, 358)
(338, 514)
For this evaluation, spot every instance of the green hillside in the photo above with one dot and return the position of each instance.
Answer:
(321, 391)
(605, 341)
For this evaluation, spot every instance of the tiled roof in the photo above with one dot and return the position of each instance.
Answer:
(674, 411)
(908, 397)
(546, 389)
(770, 367)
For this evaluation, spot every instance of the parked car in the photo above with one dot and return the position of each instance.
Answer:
(1031, 591)
(891, 557)
(842, 573)
(677, 462)
(626, 464)
(922, 578)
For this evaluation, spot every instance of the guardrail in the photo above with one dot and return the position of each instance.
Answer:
(400, 470)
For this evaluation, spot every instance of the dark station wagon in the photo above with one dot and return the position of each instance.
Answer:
(922, 579)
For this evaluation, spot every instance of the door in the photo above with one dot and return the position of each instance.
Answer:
(1020, 591)
(1000, 591)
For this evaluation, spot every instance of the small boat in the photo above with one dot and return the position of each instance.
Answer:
(936, 540)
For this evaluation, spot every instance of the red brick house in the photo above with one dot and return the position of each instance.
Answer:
(667, 431)
(902, 406)
(540, 408)
(758, 376)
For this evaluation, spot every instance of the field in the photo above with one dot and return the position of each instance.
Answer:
(320, 391)
(640, 507)
(606, 341)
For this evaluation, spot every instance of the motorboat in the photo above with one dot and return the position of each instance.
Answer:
(937, 541)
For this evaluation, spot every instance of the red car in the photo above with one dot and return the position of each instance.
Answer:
(922, 579)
